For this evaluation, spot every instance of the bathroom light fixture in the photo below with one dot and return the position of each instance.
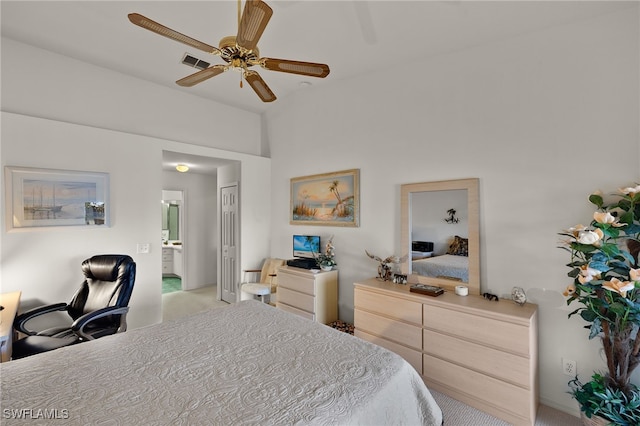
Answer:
(182, 168)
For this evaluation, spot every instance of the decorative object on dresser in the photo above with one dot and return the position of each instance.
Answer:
(384, 268)
(437, 334)
(518, 295)
(400, 278)
(326, 260)
(606, 283)
(429, 290)
(326, 199)
(311, 295)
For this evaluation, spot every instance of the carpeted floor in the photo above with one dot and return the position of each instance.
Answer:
(180, 303)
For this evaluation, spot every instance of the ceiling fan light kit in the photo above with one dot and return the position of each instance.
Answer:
(240, 52)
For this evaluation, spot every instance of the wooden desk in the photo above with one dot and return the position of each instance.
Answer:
(10, 302)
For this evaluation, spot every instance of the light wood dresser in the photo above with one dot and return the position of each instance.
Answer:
(313, 296)
(483, 353)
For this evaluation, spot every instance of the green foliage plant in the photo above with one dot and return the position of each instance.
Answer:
(606, 284)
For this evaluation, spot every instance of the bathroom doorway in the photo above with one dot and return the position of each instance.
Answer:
(172, 241)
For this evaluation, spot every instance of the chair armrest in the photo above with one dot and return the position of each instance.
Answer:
(250, 271)
(79, 324)
(20, 322)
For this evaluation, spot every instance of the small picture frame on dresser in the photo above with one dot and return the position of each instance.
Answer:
(400, 278)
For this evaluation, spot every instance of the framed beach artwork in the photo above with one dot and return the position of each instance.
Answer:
(45, 197)
(331, 199)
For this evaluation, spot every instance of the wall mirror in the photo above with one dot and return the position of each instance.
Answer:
(440, 233)
(171, 220)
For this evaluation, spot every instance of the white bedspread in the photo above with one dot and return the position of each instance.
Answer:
(244, 364)
(445, 266)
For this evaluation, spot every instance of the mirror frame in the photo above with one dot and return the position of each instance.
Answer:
(472, 187)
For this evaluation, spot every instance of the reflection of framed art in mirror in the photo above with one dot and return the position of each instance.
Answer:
(470, 187)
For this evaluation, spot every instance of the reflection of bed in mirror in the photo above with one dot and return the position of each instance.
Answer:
(446, 266)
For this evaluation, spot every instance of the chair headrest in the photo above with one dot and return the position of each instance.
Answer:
(105, 267)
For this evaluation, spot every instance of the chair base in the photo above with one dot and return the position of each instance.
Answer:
(32, 345)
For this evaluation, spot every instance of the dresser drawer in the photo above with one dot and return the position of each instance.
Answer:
(291, 309)
(486, 393)
(502, 365)
(296, 282)
(167, 268)
(412, 356)
(485, 331)
(397, 308)
(396, 331)
(296, 299)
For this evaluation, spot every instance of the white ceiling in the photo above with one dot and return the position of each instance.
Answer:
(352, 37)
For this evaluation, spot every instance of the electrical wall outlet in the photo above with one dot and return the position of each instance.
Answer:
(569, 367)
(143, 248)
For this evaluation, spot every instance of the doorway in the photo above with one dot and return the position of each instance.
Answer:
(173, 236)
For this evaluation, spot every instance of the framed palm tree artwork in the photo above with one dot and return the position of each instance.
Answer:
(331, 199)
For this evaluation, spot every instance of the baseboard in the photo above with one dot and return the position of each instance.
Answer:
(573, 410)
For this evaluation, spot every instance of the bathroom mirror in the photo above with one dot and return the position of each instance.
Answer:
(440, 233)
(171, 220)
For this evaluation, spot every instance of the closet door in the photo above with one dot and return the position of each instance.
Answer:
(229, 239)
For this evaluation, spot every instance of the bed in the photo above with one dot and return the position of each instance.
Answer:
(248, 363)
(444, 266)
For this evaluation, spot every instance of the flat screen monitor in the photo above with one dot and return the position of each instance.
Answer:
(306, 245)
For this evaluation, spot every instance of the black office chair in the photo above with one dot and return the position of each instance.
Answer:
(99, 308)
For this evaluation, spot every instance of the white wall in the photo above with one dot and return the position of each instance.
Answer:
(76, 92)
(199, 216)
(542, 120)
(82, 125)
(45, 263)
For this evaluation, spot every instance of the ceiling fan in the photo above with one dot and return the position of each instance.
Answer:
(240, 52)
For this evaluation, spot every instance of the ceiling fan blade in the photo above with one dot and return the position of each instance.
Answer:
(295, 67)
(200, 76)
(148, 24)
(254, 20)
(259, 86)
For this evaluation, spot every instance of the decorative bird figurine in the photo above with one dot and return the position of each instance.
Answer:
(384, 268)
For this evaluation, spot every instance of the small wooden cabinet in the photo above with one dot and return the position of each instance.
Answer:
(481, 352)
(310, 295)
(167, 260)
(172, 261)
